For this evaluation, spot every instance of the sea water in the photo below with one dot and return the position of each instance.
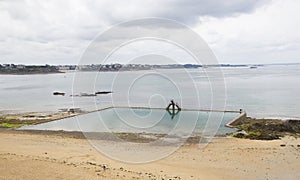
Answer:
(266, 91)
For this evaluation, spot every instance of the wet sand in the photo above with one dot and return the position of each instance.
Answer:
(60, 155)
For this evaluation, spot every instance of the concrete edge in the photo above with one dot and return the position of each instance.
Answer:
(237, 118)
(183, 109)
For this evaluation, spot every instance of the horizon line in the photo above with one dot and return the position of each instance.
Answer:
(232, 64)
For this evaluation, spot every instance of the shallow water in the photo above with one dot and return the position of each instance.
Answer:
(143, 121)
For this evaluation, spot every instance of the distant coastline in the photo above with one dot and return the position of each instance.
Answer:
(12, 69)
(20, 69)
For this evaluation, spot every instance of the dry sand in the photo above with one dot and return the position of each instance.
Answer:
(58, 156)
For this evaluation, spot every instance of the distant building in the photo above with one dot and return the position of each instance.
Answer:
(64, 68)
(20, 66)
(6, 65)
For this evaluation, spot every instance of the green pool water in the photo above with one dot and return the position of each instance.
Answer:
(141, 120)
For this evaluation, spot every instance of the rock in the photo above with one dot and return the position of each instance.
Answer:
(103, 92)
(240, 135)
(83, 95)
(266, 129)
(59, 93)
(91, 163)
(87, 94)
(74, 110)
(266, 136)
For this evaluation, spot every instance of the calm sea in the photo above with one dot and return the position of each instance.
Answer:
(268, 91)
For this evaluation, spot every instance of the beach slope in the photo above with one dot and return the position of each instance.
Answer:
(26, 155)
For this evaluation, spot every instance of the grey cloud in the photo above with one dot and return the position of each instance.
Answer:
(180, 10)
(51, 24)
(48, 21)
(189, 11)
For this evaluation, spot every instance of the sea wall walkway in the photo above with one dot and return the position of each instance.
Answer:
(241, 116)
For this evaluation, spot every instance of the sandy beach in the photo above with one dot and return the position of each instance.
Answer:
(59, 155)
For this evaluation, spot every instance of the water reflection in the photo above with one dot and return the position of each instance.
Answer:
(173, 112)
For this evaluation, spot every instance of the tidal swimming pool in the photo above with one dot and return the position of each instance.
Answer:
(144, 120)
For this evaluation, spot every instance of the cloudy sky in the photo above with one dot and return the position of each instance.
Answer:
(238, 31)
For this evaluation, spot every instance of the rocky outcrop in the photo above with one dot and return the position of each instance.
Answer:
(59, 93)
(266, 129)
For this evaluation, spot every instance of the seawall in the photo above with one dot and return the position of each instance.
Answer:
(236, 119)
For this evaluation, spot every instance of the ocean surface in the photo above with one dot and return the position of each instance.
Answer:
(266, 91)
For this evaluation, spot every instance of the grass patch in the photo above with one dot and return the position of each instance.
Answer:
(10, 123)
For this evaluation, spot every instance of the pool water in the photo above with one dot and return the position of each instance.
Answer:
(142, 120)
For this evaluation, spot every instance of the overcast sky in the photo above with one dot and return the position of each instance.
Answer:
(238, 31)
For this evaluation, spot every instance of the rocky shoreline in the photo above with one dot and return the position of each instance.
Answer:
(265, 129)
(16, 120)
